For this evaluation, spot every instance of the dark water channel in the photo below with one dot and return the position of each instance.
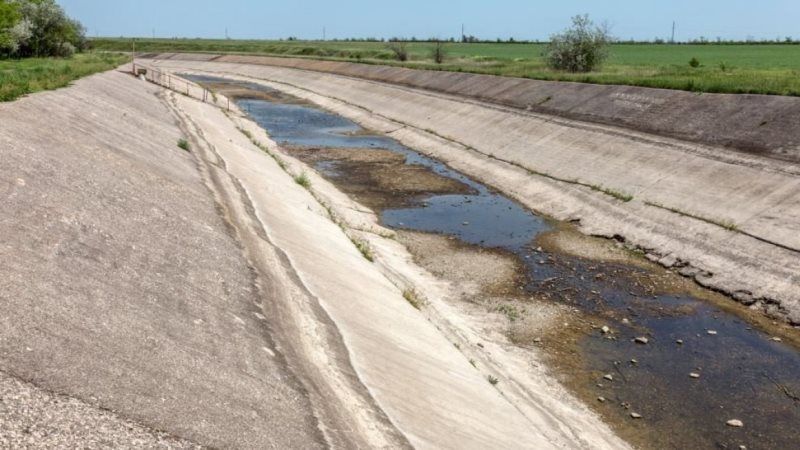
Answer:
(743, 374)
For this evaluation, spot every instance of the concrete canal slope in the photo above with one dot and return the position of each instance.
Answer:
(762, 124)
(204, 298)
(728, 218)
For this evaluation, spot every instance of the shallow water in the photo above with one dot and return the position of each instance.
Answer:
(743, 374)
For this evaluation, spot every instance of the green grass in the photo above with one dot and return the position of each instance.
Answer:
(303, 180)
(413, 297)
(26, 76)
(183, 144)
(739, 68)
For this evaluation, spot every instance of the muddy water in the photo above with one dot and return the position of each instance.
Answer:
(739, 371)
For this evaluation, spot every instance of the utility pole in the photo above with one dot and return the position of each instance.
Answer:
(463, 36)
(672, 39)
(226, 33)
(323, 33)
(154, 33)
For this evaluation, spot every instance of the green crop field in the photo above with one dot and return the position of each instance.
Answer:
(732, 68)
(25, 76)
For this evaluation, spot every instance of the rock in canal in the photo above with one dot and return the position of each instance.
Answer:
(641, 340)
(735, 423)
(608, 377)
(694, 375)
(636, 415)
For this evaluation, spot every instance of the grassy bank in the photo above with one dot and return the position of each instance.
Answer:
(740, 68)
(26, 76)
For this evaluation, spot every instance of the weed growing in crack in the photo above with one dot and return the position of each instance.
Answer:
(492, 380)
(184, 144)
(364, 248)
(413, 297)
(303, 180)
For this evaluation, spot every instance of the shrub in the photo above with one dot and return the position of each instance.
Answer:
(38, 28)
(694, 62)
(399, 50)
(580, 48)
(438, 52)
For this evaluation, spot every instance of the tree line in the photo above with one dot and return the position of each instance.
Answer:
(38, 28)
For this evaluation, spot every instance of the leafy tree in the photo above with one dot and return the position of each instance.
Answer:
(9, 17)
(580, 48)
(40, 28)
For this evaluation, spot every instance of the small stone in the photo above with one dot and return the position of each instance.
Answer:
(626, 321)
(641, 340)
(636, 415)
(465, 223)
(735, 423)
(679, 342)
(539, 249)
(694, 375)
(605, 329)
(601, 399)
(537, 340)
(777, 339)
(712, 332)
(742, 447)
(634, 361)
(608, 377)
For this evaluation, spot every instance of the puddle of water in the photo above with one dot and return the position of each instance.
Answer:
(743, 375)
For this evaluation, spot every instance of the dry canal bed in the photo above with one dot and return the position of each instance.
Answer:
(668, 363)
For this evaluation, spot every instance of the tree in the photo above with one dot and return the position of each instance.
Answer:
(438, 53)
(42, 28)
(9, 18)
(398, 48)
(580, 48)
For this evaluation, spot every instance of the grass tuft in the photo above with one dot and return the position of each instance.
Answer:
(364, 248)
(303, 180)
(492, 380)
(184, 144)
(413, 297)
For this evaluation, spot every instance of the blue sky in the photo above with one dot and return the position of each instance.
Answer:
(521, 19)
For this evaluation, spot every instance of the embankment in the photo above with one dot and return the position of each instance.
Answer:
(728, 218)
(761, 124)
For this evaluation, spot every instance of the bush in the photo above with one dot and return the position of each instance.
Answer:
(581, 48)
(694, 62)
(438, 52)
(399, 50)
(38, 28)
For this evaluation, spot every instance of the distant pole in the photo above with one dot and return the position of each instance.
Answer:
(154, 33)
(226, 33)
(672, 39)
(324, 33)
(463, 36)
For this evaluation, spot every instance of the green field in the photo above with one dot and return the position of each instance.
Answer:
(25, 76)
(733, 68)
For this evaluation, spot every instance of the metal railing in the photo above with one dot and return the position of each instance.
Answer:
(179, 85)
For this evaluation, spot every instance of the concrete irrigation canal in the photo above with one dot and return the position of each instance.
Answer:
(247, 252)
(654, 354)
